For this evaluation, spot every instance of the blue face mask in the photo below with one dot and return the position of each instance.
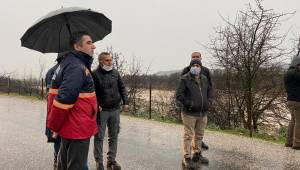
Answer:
(195, 70)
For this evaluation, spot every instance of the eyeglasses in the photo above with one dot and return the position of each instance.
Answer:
(195, 56)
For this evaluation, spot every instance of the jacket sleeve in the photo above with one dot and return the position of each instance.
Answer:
(97, 85)
(180, 95)
(291, 74)
(185, 70)
(210, 94)
(122, 90)
(68, 92)
(49, 76)
(295, 73)
(207, 73)
(209, 78)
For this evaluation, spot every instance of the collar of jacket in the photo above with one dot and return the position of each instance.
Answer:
(102, 70)
(61, 56)
(192, 77)
(85, 58)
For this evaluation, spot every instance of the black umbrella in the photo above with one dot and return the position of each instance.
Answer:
(51, 33)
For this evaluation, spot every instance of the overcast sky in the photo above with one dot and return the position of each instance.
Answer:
(162, 33)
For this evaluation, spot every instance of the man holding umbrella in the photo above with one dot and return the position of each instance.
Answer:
(72, 104)
(56, 141)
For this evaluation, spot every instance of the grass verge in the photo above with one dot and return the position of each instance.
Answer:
(20, 96)
(280, 139)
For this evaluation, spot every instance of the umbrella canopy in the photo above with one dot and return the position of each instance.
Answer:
(51, 33)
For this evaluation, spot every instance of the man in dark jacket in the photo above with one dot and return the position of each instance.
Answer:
(204, 71)
(292, 86)
(56, 141)
(72, 103)
(194, 94)
(110, 90)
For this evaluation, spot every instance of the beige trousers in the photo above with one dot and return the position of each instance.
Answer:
(293, 133)
(193, 132)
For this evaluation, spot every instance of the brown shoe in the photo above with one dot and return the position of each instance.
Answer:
(187, 163)
(296, 147)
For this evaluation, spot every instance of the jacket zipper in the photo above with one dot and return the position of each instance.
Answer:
(201, 99)
(199, 86)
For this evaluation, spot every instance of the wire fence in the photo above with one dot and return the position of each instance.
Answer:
(27, 87)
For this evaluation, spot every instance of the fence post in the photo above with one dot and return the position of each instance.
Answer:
(8, 85)
(42, 94)
(30, 86)
(150, 98)
(20, 88)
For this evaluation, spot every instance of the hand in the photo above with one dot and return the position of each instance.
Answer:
(54, 135)
(100, 108)
(189, 105)
(125, 108)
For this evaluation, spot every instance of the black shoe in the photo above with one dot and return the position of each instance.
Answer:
(198, 157)
(296, 147)
(187, 163)
(99, 166)
(204, 146)
(113, 165)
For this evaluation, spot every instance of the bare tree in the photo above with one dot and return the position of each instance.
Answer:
(249, 49)
(42, 67)
(133, 83)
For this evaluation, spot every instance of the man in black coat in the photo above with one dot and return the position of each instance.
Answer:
(195, 96)
(205, 71)
(110, 91)
(292, 86)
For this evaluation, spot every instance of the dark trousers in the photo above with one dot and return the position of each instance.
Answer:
(73, 154)
(56, 146)
(111, 119)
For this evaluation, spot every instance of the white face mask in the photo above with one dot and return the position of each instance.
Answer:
(107, 68)
(195, 70)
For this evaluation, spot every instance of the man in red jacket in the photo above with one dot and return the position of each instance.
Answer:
(72, 103)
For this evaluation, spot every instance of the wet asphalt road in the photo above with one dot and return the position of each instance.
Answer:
(143, 144)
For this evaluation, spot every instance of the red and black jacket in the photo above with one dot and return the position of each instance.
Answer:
(72, 100)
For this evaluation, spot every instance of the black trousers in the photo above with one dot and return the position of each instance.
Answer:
(73, 154)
